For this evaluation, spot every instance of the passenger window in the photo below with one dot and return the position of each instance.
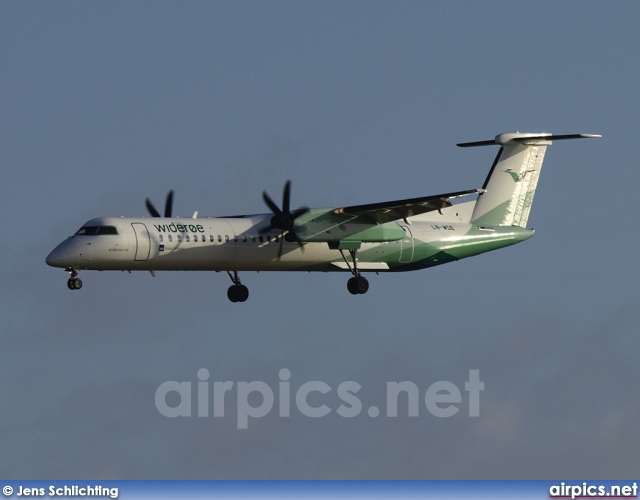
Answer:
(160, 239)
(203, 238)
(170, 238)
(195, 238)
(253, 239)
(186, 237)
(244, 238)
(261, 239)
(226, 238)
(211, 238)
(269, 238)
(235, 238)
(178, 238)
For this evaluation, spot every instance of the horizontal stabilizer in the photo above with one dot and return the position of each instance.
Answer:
(504, 139)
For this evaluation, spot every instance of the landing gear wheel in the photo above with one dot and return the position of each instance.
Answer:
(74, 284)
(362, 285)
(358, 285)
(242, 293)
(351, 286)
(238, 293)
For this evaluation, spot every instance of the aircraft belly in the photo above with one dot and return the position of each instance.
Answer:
(265, 257)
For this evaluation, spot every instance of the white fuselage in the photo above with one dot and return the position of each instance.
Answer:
(215, 244)
(228, 244)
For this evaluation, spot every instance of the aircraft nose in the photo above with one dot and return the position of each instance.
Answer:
(56, 258)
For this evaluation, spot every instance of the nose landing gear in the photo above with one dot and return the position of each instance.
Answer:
(74, 283)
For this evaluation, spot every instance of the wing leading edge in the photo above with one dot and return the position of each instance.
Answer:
(389, 211)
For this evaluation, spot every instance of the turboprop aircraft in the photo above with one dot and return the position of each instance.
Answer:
(391, 236)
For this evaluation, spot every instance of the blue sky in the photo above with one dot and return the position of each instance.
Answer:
(104, 104)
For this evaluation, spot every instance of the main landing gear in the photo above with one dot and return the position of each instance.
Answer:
(237, 292)
(74, 283)
(357, 285)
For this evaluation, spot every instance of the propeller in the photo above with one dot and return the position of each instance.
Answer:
(168, 206)
(283, 219)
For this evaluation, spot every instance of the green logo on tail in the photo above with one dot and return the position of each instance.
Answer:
(515, 176)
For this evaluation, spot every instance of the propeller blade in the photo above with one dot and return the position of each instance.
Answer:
(286, 197)
(168, 206)
(281, 243)
(152, 210)
(270, 203)
(283, 219)
(293, 236)
(300, 211)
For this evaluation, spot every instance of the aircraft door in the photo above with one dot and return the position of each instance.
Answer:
(143, 243)
(406, 246)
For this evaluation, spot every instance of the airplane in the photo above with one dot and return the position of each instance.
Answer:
(391, 236)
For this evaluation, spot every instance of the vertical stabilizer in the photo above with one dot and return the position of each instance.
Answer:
(513, 178)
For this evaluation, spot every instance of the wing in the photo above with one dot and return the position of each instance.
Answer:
(402, 209)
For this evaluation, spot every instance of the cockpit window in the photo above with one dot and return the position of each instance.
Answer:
(107, 230)
(94, 230)
(88, 231)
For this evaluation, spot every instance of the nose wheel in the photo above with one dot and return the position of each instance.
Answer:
(74, 283)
